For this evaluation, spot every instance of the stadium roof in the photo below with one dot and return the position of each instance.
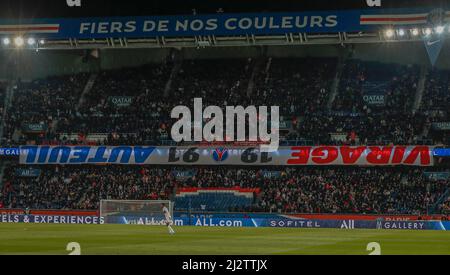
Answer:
(147, 26)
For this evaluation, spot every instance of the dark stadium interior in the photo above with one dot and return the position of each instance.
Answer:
(297, 190)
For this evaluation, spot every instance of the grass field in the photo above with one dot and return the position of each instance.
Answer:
(127, 239)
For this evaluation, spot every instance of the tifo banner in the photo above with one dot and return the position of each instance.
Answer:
(241, 156)
(219, 24)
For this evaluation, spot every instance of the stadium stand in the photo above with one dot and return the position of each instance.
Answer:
(302, 87)
(293, 190)
(303, 94)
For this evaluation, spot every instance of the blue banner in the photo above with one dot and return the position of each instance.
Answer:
(217, 24)
(441, 152)
(270, 221)
(230, 222)
(51, 219)
(186, 221)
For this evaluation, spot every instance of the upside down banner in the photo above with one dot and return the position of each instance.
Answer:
(239, 156)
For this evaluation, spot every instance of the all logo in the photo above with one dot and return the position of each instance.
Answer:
(220, 154)
(350, 224)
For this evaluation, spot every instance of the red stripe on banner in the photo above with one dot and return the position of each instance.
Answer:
(18, 29)
(379, 19)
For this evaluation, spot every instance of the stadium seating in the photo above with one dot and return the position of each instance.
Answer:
(302, 190)
(60, 110)
(302, 93)
(45, 102)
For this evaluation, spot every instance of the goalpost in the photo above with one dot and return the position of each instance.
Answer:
(148, 212)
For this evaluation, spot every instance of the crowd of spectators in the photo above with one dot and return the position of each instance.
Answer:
(437, 91)
(131, 106)
(292, 190)
(301, 87)
(82, 188)
(122, 101)
(361, 190)
(2, 99)
(398, 83)
(436, 100)
(39, 105)
(374, 129)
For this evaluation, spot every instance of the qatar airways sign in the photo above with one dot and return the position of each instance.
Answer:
(238, 156)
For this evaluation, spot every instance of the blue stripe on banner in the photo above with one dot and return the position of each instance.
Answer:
(230, 222)
(441, 152)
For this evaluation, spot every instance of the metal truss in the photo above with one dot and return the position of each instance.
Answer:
(222, 41)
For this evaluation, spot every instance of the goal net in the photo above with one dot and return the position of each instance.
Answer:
(148, 212)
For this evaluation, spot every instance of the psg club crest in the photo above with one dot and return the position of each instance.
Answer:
(220, 154)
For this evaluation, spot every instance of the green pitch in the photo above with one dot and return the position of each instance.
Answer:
(132, 239)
